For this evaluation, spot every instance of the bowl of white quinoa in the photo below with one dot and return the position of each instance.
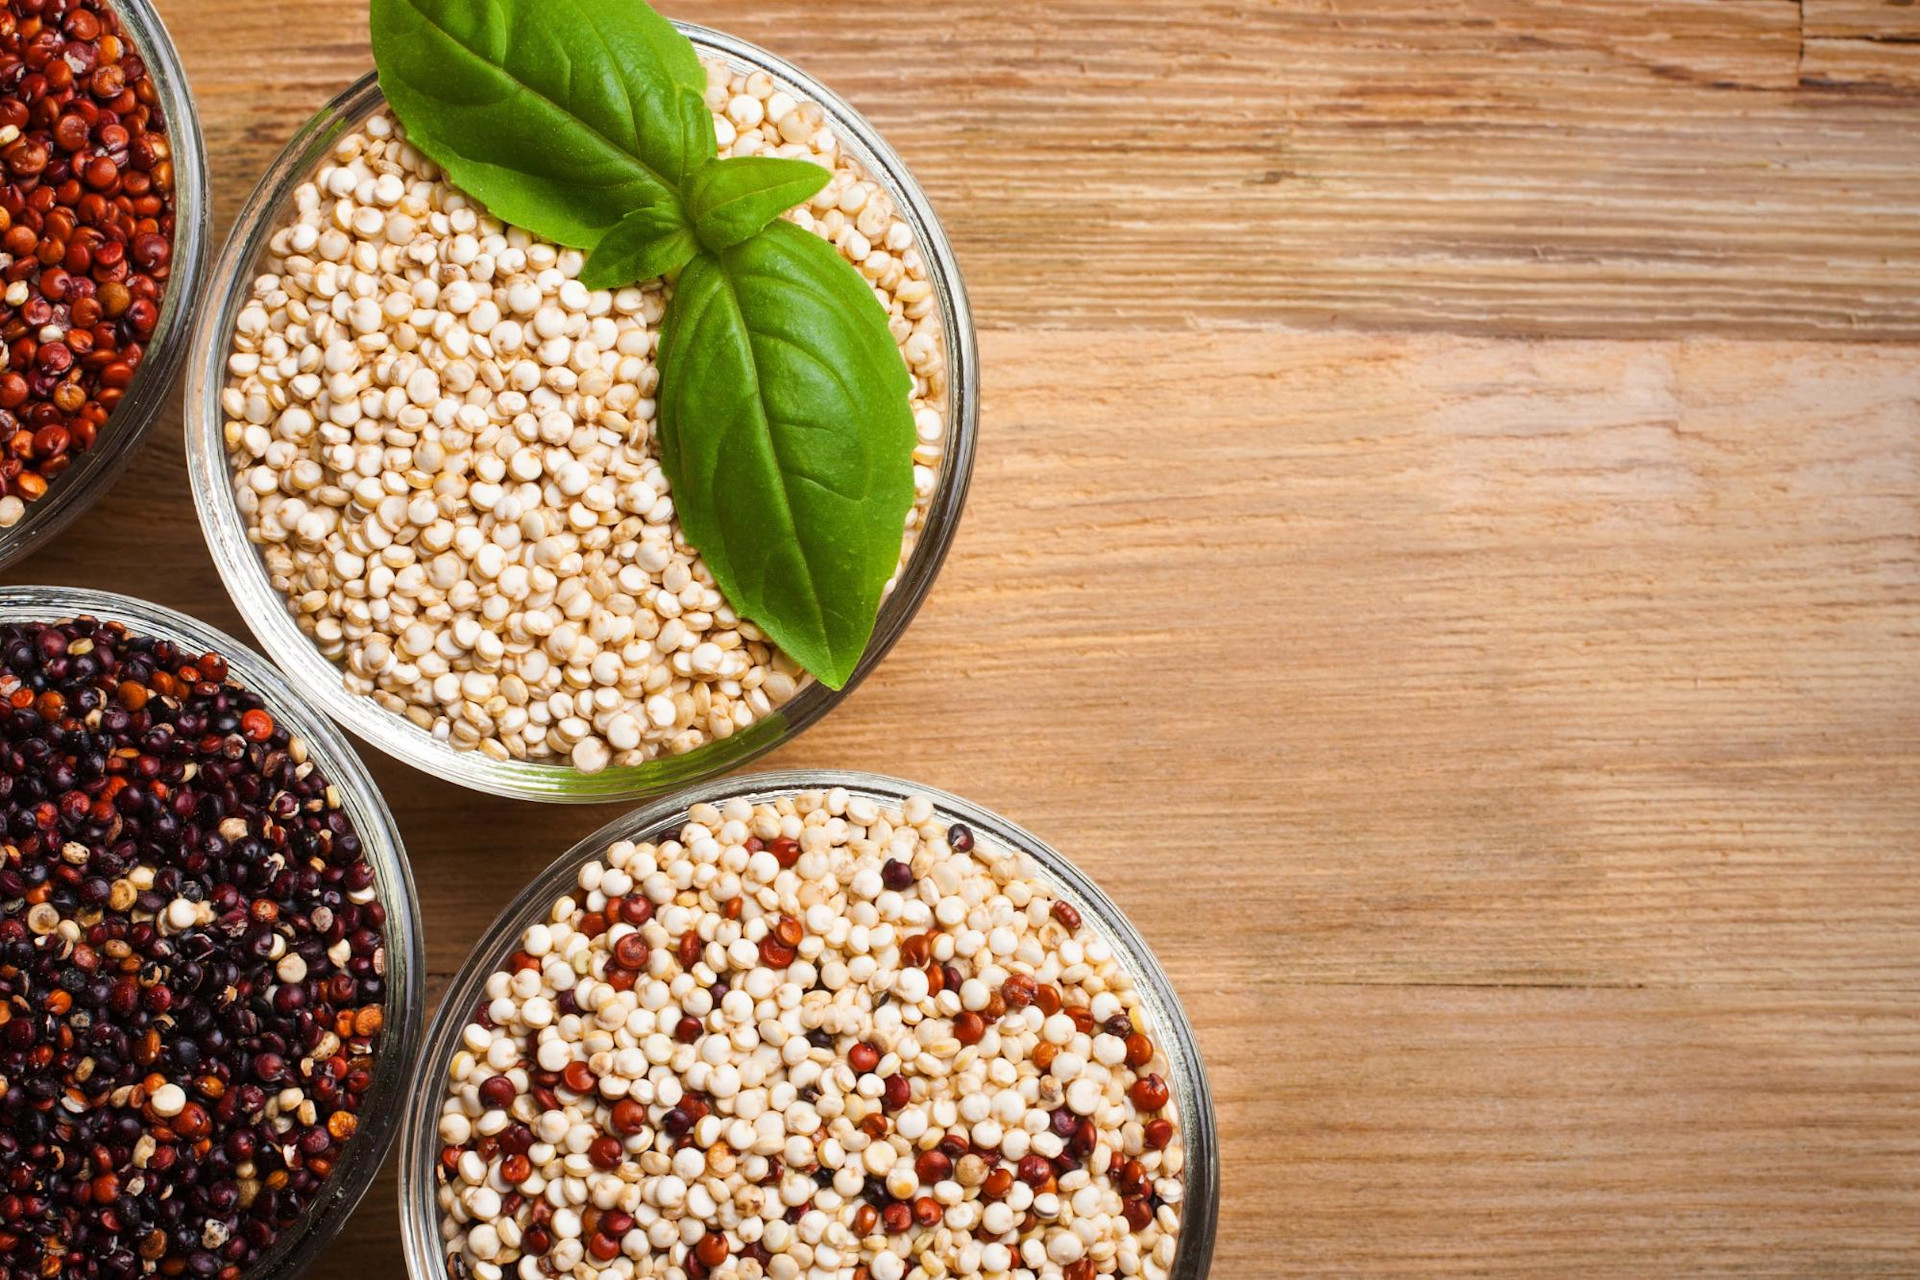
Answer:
(810, 1025)
(424, 460)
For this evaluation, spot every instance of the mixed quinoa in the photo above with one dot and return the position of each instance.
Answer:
(814, 1036)
(192, 962)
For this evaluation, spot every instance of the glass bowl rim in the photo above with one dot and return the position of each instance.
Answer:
(319, 679)
(404, 1009)
(94, 472)
(419, 1129)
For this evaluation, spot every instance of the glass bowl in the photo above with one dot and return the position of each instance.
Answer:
(1169, 1028)
(380, 837)
(93, 472)
(319, 679)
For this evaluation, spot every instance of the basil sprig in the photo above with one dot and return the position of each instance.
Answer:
(785, 417)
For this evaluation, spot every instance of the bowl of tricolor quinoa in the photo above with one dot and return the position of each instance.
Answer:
(213, 938)
(424, 457)
(810, 1024)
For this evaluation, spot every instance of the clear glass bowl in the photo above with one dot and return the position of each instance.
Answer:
(93, 472)
(1169, 1028)
(379, 836)
(265, 610)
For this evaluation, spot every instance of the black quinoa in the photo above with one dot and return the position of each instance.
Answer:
(165, 848)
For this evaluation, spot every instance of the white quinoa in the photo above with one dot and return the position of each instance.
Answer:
(607, 1120)
(443, 445)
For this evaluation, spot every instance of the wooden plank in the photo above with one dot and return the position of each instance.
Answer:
(1867, 19)
(1556, 1132)
(1891, 66)
(1501, 166)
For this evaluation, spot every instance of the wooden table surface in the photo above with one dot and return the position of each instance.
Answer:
(1445, 554)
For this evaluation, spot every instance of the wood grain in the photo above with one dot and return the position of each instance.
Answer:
(1892, 65)
(1628, 167)
(1510, 746)
(1886, 20)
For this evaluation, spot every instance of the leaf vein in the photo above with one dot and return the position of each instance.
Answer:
(839, 379)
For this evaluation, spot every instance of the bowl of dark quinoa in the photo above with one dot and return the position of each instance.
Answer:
(210, 953)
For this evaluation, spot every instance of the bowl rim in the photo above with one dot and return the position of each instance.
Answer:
(404, 1009)
(147, 396)
(319, 679)
(419, 1129)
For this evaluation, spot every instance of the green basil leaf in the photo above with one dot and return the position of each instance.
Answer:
(561, 116)
(732, 199)
(786, 429)
(646, 243)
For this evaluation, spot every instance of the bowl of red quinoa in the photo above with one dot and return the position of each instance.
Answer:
(516, 651)
(104, 236)
(211, 976)
(809, 1024)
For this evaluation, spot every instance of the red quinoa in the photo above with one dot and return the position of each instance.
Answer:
(86, 232)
